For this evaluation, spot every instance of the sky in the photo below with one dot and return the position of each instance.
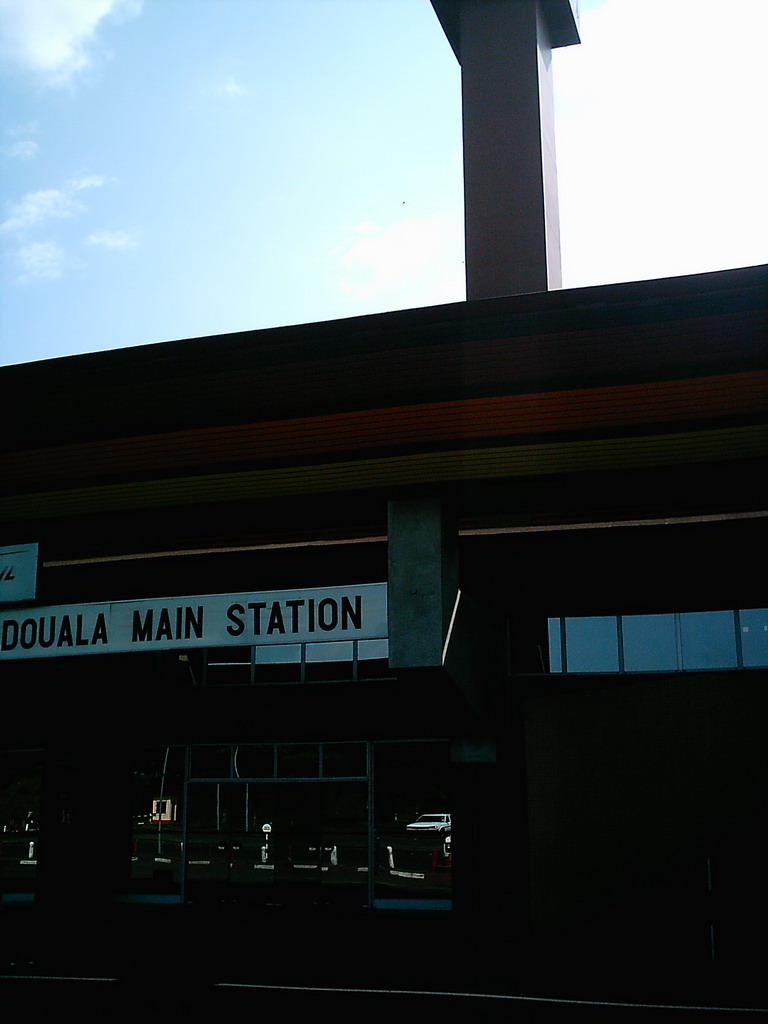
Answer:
(183, 168)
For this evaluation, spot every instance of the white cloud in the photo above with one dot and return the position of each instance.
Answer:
(57, 38)
(36, 207)
(661, 167)
(45, 260)
(90, 181)
(21, 146)
(23, 150)
(50, 204)
(408, 263)
(39, 260)
(225, 93)
(229, 89)
(112, 239)
(14, 131)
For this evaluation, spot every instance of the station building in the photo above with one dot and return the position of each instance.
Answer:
(451, 615)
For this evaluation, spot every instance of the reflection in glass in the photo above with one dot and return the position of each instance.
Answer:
(278, 843)
(20, 785)
(157, 802)
(291, 824)
(650, 644)
(411, 779)
(753, 623)
(592, 644)
(708, 640)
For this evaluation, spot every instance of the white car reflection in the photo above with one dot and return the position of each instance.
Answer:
(430, 823)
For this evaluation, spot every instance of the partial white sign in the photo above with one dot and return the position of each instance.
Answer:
(18, 573)
(213, 620)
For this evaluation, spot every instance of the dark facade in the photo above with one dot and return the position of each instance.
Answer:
(555, 500)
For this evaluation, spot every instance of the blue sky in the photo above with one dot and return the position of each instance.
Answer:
(179, 168)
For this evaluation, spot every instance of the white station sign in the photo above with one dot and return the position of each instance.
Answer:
(214, 620)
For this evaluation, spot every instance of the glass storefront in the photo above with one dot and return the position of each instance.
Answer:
(158, 775)
(20, 786)
(278, 843)
(327, 824)
(413, 824)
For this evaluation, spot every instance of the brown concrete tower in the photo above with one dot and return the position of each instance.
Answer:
(504, 47)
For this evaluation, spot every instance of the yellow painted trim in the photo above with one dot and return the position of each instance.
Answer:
(429, 467)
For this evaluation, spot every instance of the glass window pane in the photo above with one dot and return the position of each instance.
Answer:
(373, 659)
(368, 649)
(254, 761)
(592, 644)
(228, 675)
(211, 762)
(708, 640)
(649, 643)
(278, 654)
(329, 661)
(344, 760)
(228, 666)
(754, 636)
(340, 650)
(20, 782)
(298, 761)
(229, 655)
(372, 649)
(278, 663)
(157, 806)
(555, 648)
(414, 864)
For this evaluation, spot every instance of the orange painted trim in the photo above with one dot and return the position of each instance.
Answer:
(563, 412)
(459, 465)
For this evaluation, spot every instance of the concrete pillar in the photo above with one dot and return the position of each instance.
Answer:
(423, 580)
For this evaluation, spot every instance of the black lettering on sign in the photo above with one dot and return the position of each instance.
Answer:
(80, 639)
(351, 615)
(10, 635)
(100, 630)
(328, 614)
(28, 633)
(233, 614)
(43, 639)
(179, 623)
(256, 607)
(193, 622)
(294, 607)
(49, 630)
(65, 633)
(164, 626)
(276, 624)
(141, 630)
